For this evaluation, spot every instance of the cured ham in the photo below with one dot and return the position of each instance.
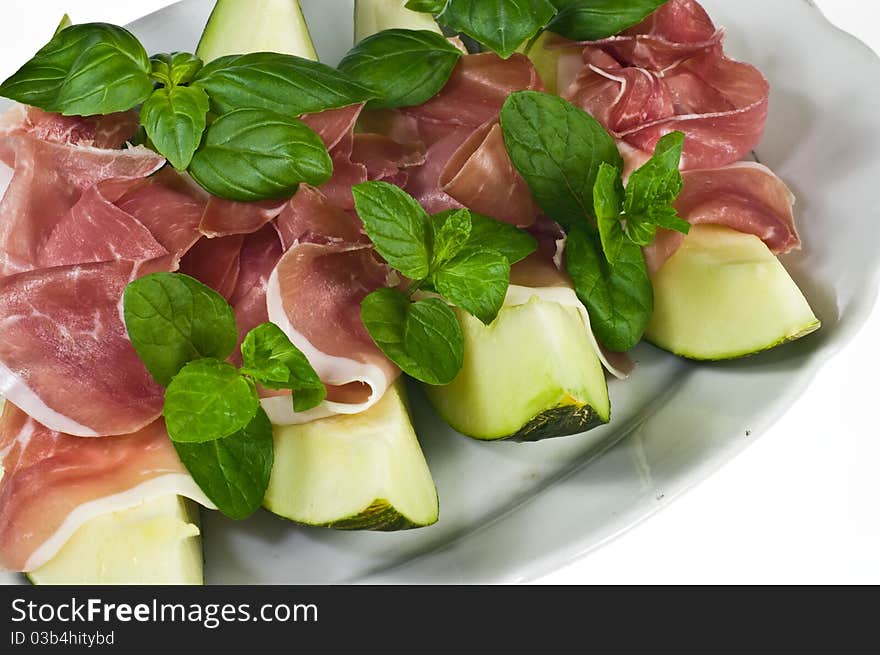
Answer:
(314, 295)
(670, 73)
(747, 197)
(65, 356)
(216, 263)
(227, 217)
(53, 483)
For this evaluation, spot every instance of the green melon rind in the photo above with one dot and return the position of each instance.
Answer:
(532, 374)
(723, 295)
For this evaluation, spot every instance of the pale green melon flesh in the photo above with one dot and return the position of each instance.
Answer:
(724, 295)
(156, 542)
(371, 16)
(357, 472)
(531, 374)
(243, 26)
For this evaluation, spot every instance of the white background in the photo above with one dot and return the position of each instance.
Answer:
(802, 505)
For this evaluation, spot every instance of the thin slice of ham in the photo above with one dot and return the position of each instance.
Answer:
(227, 217)
(670, 73)
(746, 196)
(65, 356)
(53, 483)
(216, 263)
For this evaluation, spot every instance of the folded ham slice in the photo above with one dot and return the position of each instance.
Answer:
(52, 483)
(670, 73)
(746, 196)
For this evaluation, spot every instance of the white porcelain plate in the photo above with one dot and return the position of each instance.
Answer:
(512, 512)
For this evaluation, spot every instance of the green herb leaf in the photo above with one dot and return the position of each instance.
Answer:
(274, 362)
(87, 69)
(424, 338)
(285, 84)
(175, 68)
(406, 67)
(173, 319)
(207, 400)
(255, 154)
(427, 6)
(476, 280)
(397, 225)
(558, 149)
(619, 298)
(174, 118)
(608, 194)
(451, 232)
(501, 237)
(233, 471)
(652, 189)
(590, 20)
(501, 25)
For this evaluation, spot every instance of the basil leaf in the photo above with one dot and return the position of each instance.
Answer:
(608, 196)
(285, 84)
(424, 338)
(173, 319)
(557, 148)
(476, 280)
(501, 237)
(619, 298)
(274, 362)
(590, 20)
(407, 67)
(174, 118)
(233, 471)
(87, 69)
(396, 224)
(207, 400)
(254, 154)
(652, 189)
(427, 6)
(175, 68)
(451, 231)
(501, 25)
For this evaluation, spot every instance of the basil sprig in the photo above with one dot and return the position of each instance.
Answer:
(407, 67)
(461, 256)
(254, 149)
(590, 20)
(184, 332)
(572, 167)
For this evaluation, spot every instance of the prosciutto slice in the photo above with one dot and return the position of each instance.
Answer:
(216, 263)
(747, 197)
(670, 73)
(314, 295)
(65, 356)
(53, 483)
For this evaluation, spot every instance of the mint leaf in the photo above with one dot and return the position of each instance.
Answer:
(451, 232)
(233, 471)
(87, 69)
(396, 224)
(175, 68)
(255, 154)
(274, 362)
(288, 85)
(608, 194)
(174, 118)
(501, 25)
(207, 400)
(426, 6)
(619, 298)
(590, 20)
(652, 189)
(406, 67)
(558, 149)
(476, 280)
(501, 237)
(424, 338)
(173, 319)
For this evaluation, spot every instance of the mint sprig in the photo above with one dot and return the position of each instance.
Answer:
(184, 332)
(453, 254)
